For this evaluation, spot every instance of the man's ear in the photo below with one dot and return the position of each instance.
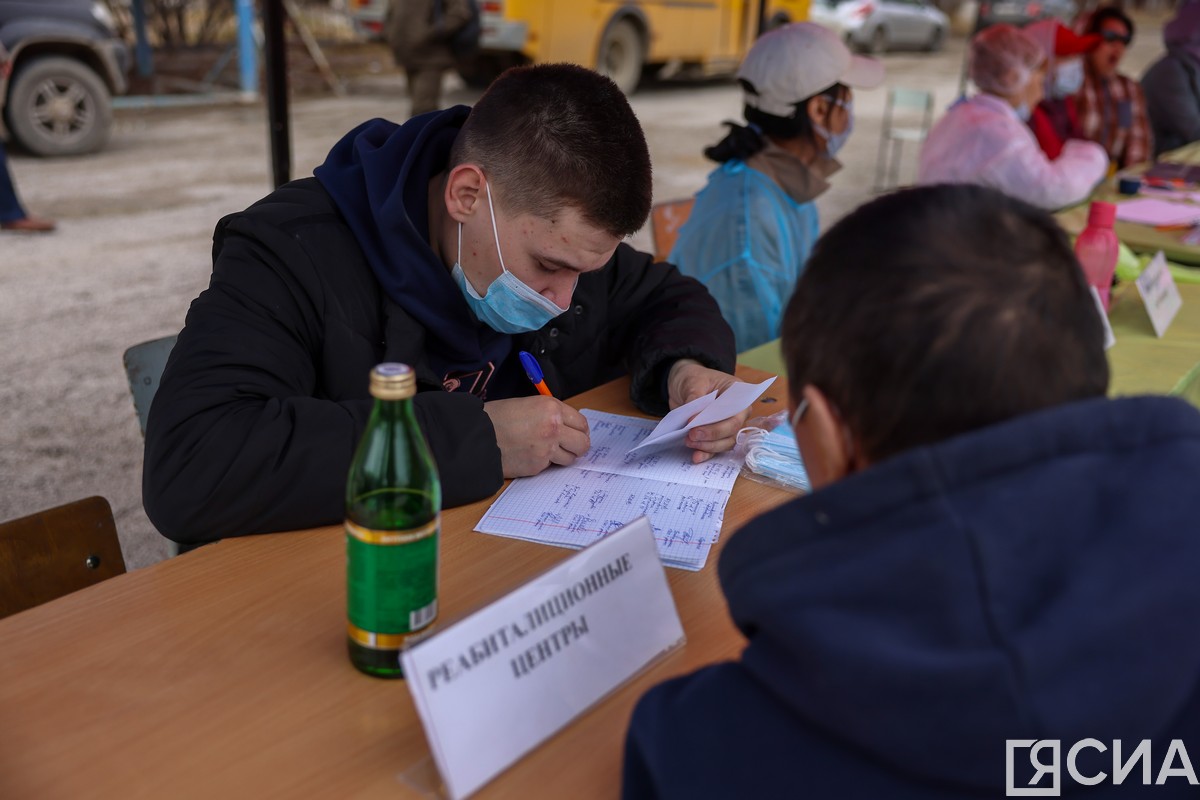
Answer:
(464, 192)
(826, 444)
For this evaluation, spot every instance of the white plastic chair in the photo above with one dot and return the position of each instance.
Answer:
(912, 106)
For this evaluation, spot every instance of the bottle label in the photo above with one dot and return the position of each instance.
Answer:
(391, 584)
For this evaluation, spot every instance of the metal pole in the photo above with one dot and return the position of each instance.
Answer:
(247, 51)
(277, 91)
(141, 50)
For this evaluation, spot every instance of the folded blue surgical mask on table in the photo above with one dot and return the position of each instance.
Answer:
(774, 456)
(508, 306)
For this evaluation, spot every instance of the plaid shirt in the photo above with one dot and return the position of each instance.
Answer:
(1112, 113)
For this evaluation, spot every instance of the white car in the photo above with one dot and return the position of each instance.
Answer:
(875, 26)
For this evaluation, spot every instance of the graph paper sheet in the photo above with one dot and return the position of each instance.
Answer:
(609, 487)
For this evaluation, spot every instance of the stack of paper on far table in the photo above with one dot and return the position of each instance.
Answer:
(1152, 211)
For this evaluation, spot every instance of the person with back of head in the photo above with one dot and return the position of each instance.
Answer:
(449, 243)
(1112, 109)
(986, 140)
(993, 550)
(1171, 85)
(753, 224)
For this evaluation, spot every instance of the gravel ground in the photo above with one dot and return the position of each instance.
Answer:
(134, 238)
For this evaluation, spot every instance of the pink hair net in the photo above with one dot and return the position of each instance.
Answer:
(1003, 59)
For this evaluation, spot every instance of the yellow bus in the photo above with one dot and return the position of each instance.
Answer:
(625, 38)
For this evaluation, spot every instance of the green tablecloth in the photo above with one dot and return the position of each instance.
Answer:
(765, 357)
(1140, 362)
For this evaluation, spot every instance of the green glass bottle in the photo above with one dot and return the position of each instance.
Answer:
(393, 501)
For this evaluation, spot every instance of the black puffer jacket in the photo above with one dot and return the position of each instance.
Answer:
(265, 395)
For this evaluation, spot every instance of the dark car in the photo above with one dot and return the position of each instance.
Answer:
(1021, 12)
(67, 62)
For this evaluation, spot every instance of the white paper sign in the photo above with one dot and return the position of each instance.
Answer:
(1109, 337)
(673, 428)
(1159, 293)
(493, 686)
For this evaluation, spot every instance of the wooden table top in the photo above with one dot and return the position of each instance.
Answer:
(223, 672)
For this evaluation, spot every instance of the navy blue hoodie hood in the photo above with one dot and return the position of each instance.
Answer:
(1035, 579)
(378, 176)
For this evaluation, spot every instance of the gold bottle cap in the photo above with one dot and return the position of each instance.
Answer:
(393, 382)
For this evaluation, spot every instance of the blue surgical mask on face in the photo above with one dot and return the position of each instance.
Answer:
(508, 306)
(1068, 78)
(835, 141)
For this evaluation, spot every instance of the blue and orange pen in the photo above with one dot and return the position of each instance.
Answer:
(534, 370)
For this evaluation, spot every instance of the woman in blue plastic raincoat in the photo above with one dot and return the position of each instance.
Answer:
(752, 226)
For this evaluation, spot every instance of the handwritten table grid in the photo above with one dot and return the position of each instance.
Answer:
(609, 487)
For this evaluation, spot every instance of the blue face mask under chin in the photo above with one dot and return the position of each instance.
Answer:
(508, 306)
(1024, 111)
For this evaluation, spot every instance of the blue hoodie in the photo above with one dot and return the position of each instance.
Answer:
(378, 176)
(1036, 579)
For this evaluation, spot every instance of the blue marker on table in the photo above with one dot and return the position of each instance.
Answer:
(534, 370)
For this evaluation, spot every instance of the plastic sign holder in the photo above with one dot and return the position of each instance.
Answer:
(494, 685)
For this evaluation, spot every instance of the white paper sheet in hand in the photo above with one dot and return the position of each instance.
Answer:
(673, 428)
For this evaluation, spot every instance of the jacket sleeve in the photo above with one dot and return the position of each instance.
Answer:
(236, 441)
(1172, 101)
(463, 442)
(1022, 170)
(643, 744)
(656, 316)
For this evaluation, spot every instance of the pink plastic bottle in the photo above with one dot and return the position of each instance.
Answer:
(1096, 248)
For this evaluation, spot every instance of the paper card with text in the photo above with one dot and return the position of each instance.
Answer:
(496, 684)
(673, 428)
(1159, 293)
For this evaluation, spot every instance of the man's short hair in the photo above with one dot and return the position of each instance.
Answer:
(558, 134)
(1096, 20)
(939, 310)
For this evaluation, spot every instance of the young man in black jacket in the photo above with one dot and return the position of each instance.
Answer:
(449, 243)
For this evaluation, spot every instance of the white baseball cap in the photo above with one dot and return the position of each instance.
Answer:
(795, 62)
